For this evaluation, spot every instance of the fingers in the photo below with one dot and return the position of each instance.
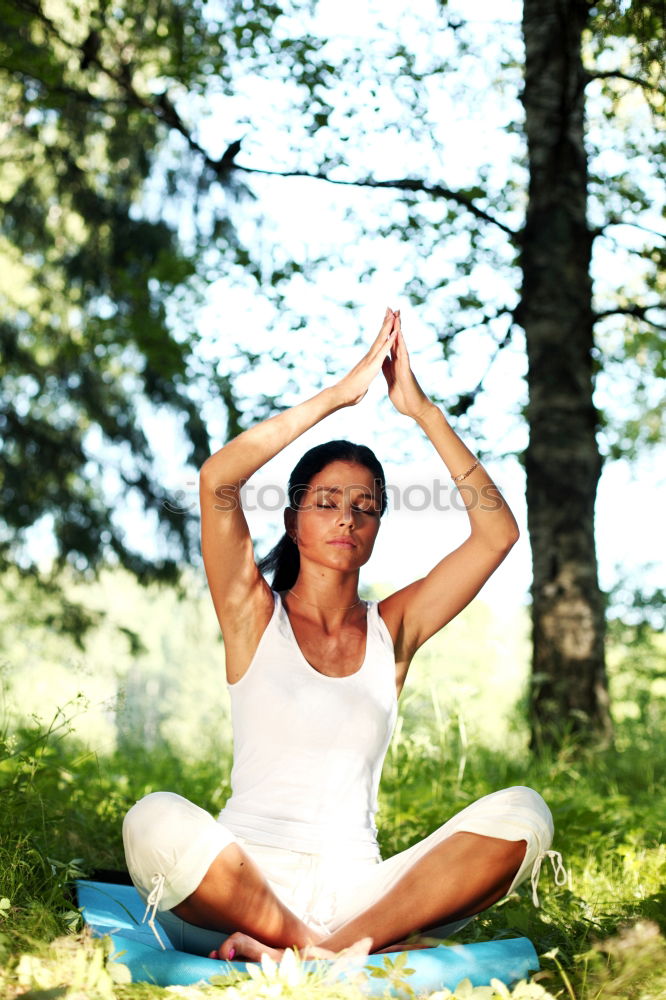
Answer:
(400, 348)
(387, 328)
(385, 339)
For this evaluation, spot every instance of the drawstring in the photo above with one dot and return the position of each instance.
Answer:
(152, 902)
(559, 872)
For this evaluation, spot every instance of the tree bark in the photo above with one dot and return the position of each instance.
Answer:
(563, 463)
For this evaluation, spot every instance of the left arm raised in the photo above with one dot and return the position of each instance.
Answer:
(416, 612)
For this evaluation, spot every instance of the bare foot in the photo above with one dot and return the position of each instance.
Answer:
(242, 946)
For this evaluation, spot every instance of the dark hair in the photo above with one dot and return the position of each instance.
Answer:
(283, 560)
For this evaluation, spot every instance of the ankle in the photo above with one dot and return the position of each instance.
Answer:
(297, 934)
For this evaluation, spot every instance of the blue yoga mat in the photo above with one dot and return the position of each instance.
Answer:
(117, 910)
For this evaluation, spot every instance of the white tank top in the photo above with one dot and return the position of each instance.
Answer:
(308, 748)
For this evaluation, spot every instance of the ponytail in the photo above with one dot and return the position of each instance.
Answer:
(284, 562)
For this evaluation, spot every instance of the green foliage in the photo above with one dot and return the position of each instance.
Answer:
(121, 199)
(148, 672)
(641, 22)
(63, 807)
(110, 205)
(637, 653)
(395, 972)
(86, 279)
(625, 50)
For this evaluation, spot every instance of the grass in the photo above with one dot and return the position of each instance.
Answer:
(601, 936)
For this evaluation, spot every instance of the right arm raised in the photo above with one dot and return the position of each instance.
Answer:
(235, 583)
(232, 573)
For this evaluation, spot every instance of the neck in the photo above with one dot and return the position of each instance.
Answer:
(321, 607)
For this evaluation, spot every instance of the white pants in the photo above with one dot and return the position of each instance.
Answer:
(170, 843)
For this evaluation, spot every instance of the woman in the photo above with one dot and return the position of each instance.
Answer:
(313, 675)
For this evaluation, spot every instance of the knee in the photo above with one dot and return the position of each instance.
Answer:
(528, 798)
(525, 805)
(148, 814)
(155, 832)
(146, 824)
(535, 806)
(166, 835)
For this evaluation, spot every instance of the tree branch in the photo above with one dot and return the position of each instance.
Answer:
(466, 400)
(638, 312)
(617, 221)
(451, 332)
(401, 184)
(163, 109)
(616, 74)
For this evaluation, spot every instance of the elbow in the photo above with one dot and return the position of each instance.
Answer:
(212, 473)
(506, 532)
(213, 482)
(510, 533)
(206, 476)
(513, 538)
(501, 542)
(207, 470)
(509, 539)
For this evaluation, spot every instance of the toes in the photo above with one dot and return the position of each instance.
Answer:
(230, 948)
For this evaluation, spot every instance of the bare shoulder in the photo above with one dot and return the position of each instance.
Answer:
(243, 627)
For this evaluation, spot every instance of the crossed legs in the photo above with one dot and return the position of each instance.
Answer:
(461, 876)
(235, 896)
(201, 874)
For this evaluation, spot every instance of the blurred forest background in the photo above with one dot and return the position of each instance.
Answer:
(199, 205)
(205, 207)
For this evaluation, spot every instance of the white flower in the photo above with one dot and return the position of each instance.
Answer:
(465, 991)
(186, 992)
(530, 991)
(290, 970)
(269, 967)
(256, 972)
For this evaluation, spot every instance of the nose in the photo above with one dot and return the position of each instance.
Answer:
(346, 515)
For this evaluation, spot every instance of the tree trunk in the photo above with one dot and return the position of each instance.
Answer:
(563, 464)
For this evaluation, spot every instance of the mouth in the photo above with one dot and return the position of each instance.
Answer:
(344, 543)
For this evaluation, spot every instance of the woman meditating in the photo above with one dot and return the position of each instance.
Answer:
(314, 674)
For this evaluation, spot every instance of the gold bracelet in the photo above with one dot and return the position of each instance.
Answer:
(464, 475)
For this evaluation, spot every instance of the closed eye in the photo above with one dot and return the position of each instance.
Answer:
(332, 506)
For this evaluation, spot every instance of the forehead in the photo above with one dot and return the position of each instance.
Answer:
(345, 476)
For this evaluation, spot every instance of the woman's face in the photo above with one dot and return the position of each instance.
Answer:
(338, 519)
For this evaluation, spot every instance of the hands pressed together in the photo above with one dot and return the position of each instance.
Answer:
(388, 353)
